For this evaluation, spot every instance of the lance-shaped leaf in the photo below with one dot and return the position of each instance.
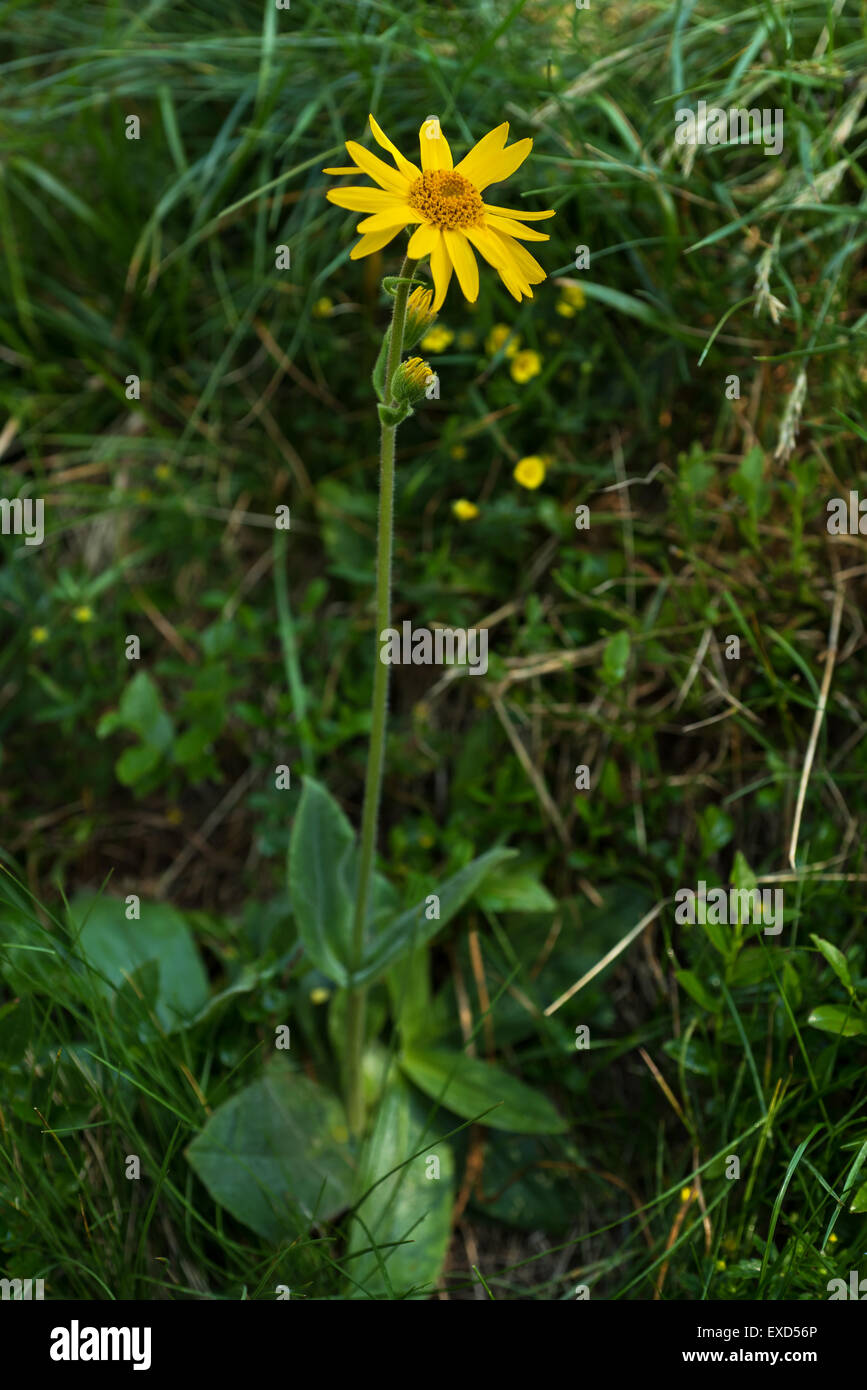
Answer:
(414, 928)
(322, 840)
(407, 1217)
(468, 1087)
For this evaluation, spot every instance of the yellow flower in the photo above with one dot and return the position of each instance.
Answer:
(525, 365)
(443, 203)
(530, 471)
(322, 308)
(82, 614)
(685, 1194)
(720, 1264)
(572, 299)
(162, 471)
(833, 1238)
(464, 510)
(501, 338)
(320, 995)
(39, 635)
(438, 339)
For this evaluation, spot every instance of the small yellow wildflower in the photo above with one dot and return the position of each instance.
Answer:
(322, 308)
(320, 995)
(465, 510)
(162, 471)
(83, 614)
(530, 471)
(39, 635)
(437, 339)
(525, 365)
(685, 1194)
(502, 338)
(571, 300)
(832, 1238)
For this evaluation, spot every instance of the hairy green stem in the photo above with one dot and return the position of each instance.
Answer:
(356, 1004)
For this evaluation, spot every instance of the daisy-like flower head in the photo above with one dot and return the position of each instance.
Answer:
(443, 204)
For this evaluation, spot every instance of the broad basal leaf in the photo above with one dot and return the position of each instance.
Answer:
(276, 1154)
(118, 947)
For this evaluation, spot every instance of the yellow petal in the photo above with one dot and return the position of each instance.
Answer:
(503, 165)
(494, 252)
(464, 262)
(362, 199)
(396, 216)
(434, 147)
(529, 268)
(405, 166)
(377, 169)
(474, 164)
(351, 170)
(512, 228)
(518, 212)
(422, 241)
(440, 268)
(373, 242)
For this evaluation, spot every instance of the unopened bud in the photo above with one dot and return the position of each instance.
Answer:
(411, 380)
(420, 317)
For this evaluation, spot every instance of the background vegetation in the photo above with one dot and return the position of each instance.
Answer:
(156, 258)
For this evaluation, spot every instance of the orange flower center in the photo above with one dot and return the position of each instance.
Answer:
(447, 198)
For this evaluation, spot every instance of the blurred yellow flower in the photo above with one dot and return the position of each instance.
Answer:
(162, 471)
(39, 635)
(502, 337)
(322, 308)
(572, 299)
(525, 365)
(437, 339)
(83, 614)
(320, 995)
(465, 510)
(720, 1264)
(530, 471)
(685, 1194)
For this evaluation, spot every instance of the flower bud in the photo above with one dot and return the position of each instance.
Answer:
(410, 381)
(420, 317)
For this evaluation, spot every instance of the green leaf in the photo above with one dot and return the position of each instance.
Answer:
(410, 1206)
(320, 846)
(615, 658)
(276, 1155)
(516, 890)
(414, 927)
(118, 948)
(468, 1086)
(833, 1018)
(835, 959)
(859, 1201)
(698, 991)
(15, 1030)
